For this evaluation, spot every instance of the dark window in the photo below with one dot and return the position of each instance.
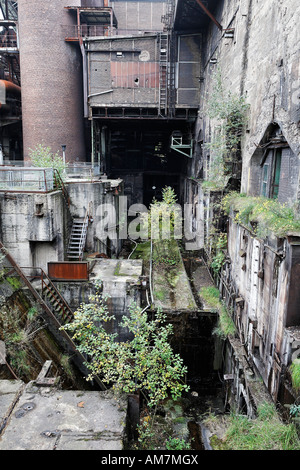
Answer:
(276, 174)
(271, 174)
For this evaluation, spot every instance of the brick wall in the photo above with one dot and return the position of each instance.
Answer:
(51, 79)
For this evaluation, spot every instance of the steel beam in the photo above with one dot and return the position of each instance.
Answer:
(209, 14)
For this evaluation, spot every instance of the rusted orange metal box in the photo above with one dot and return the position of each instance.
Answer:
(68, 271)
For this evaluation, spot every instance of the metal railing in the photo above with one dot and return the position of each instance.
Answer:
(49, 291)
(39, 299)
(26, 179)
(30, 179)
(8, 43)
(74, 32)
(83, 169)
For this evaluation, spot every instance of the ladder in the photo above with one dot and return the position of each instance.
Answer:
(78, 238)
(167, 58)
(163, 71)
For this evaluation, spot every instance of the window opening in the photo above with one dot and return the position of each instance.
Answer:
(276, 178)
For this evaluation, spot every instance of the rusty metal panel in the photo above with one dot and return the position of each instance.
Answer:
(135, 74)
(68, 271)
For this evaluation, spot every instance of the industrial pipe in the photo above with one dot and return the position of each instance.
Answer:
(6, 88)
(10, 87)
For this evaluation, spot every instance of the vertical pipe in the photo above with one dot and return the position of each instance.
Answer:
(93, 143)
(78, 23)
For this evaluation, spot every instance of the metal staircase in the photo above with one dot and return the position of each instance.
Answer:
(49, 294)
(78, 233)
(56, 310)
(78, 238)
(52, 297)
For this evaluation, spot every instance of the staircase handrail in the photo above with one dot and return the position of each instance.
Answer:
(45, 307)
(67, 311)
(83, 233)
(58, 182)
(35, 293)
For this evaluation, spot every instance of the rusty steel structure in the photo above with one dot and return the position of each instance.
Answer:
(55, 308)
(9, 44)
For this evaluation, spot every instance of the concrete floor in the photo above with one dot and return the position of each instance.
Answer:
(44, 418)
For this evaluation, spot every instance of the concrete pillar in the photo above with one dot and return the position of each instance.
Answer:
(51, 78)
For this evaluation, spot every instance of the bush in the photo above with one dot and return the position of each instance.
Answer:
(269, 215)
(43, 157)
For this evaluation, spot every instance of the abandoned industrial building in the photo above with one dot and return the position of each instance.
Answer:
(113, 111)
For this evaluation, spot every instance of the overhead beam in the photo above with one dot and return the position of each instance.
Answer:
(209, 14)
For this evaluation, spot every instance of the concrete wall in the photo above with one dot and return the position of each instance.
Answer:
(258, 281)
(261, 63)
(121, 287)
(92, 196)
(51, 79)
(32, 227)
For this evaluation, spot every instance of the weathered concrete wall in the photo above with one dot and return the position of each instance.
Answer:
(261, 63)
(32, 227)
(101, 199)
(121, 286)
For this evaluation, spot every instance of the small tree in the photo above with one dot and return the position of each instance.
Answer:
(164, 217)
(43, 157)
(147, 363)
